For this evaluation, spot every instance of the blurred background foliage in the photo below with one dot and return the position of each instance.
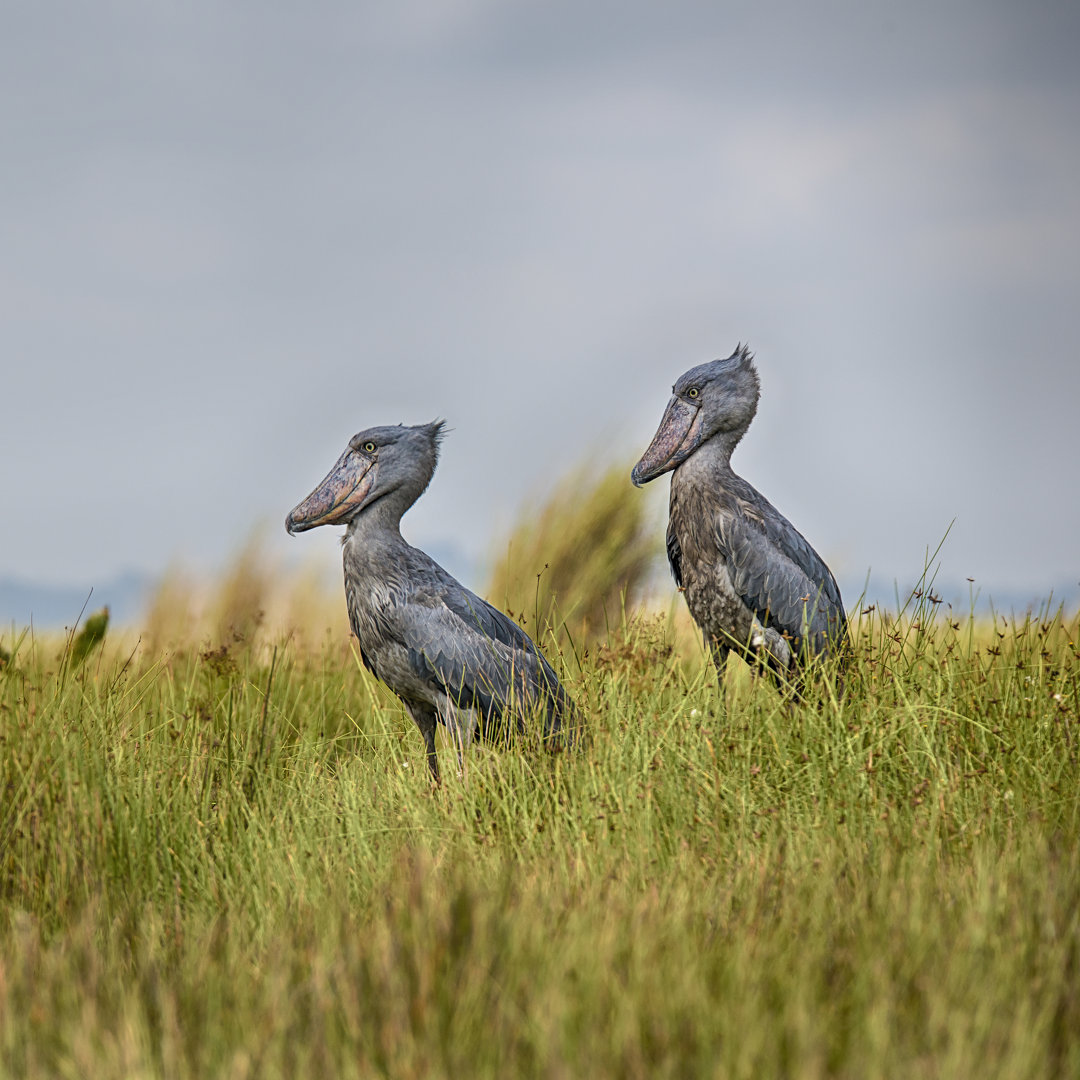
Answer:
(581, 559)
(571, 567)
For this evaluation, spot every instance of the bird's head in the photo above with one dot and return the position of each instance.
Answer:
(720, 396)
(377, 462)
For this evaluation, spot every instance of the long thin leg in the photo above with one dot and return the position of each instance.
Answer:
(773, 656)
(425, 719)
(719, 656)
(719, 652)
(461, 724)
(788, 681)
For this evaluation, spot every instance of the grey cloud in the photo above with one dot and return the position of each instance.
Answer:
(236, 235)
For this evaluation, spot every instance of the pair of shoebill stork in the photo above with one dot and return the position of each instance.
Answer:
(752, 583)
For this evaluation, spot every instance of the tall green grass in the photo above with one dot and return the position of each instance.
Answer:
(221, 856)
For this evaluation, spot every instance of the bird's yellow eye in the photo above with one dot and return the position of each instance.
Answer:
(692, 392)
(368, 448)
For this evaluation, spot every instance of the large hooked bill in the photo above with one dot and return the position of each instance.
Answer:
(675, 440)
(341, 493)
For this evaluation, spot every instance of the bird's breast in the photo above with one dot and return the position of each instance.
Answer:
(707, 577)
(713, 602)
(370, 602)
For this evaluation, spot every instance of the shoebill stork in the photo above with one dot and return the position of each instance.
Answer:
(451, 657)
(752, 582)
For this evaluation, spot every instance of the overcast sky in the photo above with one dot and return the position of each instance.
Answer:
(233, 234)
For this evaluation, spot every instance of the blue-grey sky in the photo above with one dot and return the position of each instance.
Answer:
(231, 235)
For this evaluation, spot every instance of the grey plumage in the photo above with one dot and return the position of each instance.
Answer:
(751, 580)
(451, 657)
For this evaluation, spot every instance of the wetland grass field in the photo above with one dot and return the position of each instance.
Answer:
(221, 856)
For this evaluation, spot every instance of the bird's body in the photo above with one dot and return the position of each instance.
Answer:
(450, 656)
(752, 582)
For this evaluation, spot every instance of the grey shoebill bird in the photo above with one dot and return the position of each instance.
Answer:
(751, 580)
(451, 657)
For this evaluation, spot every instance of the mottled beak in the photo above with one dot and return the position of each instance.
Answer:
(339, 496)
(678, 436)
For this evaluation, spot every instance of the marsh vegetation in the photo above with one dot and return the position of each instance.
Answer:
(220, 854)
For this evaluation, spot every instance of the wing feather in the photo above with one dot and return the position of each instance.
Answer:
(778, 575)
(674, 553)
(478, 656)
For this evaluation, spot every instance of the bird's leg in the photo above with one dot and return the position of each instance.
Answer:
(756, 650)
(460, 723)
(757, 645)
(774, 655)
(432, 757)
(778, 659)
(426, 722)
(788, 683)
(720, 652)
(719, 658)
(791, 678)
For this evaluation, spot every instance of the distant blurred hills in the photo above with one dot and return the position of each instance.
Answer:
(128, 595)
(53, 607)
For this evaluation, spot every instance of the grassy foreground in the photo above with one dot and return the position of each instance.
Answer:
(228, 861)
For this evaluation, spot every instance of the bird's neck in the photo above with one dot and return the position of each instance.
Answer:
(377, 527)
(695, 487)
(712, 459)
